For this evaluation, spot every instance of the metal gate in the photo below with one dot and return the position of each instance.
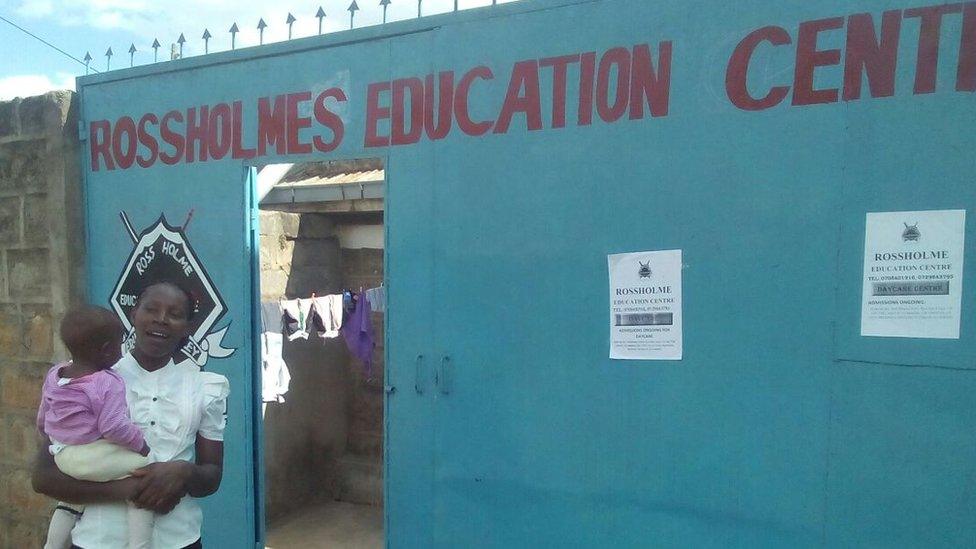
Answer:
(523, 144)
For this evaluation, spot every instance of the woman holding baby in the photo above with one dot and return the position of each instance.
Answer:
(181, 413)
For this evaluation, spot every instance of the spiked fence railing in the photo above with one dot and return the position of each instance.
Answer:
(177, 49)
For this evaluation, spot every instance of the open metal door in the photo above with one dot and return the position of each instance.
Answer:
(142, 224)
(257, 415)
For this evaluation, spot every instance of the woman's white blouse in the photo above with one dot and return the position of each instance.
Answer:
(171, 406)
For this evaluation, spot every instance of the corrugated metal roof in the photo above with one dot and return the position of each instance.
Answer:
(338, 179)
(336, 172)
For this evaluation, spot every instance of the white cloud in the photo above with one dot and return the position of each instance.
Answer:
(27, 85)
(35, 8)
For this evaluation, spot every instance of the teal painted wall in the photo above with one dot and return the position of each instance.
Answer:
(781, 426)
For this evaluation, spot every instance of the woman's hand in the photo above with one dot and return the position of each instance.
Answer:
(162, 485)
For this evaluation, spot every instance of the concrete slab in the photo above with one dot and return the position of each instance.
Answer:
(335, 525)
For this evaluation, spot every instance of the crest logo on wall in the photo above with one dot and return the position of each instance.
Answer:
(911, 233)
(163, 253)
(645, 269)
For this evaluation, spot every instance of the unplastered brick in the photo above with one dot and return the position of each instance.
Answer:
(36, 227)
(38, 332)
(19, 435)
(10, 220)
(20, 386)
(29, 274)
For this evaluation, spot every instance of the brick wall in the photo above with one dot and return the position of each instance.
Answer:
(41, 274)
(361, 469)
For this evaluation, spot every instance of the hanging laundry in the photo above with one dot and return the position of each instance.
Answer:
(305, 310)
(275, 377)
(291, 319)
(357, 329)
(295, 317)
(377, 299)
(327, 315)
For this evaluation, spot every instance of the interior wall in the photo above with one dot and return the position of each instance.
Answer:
(361, 469)
(306, 433)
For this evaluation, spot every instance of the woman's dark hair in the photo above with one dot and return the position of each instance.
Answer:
(191, 302)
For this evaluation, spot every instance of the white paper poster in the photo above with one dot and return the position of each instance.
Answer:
(913, 274)
(645, 305)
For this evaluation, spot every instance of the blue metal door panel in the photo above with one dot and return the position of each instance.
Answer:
(409, 436)
(543, 441)
(219, 234)
(901, 469)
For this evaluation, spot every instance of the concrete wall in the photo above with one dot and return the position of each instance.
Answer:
(41, 275)
(355, 237)
(307, 433)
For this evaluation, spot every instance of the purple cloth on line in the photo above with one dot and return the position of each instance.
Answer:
(357, 329)
(87, 409)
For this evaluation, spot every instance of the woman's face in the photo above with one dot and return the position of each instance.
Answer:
(161, 321)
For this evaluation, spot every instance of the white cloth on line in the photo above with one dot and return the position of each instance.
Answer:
(296, 317)
(377, 299)
(275, 377)
(328, 313)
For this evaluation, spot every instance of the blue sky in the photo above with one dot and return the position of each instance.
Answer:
(28, 67)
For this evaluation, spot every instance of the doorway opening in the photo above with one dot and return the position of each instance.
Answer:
(322, 235)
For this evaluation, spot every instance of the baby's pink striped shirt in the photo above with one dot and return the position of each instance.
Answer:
(86, 409)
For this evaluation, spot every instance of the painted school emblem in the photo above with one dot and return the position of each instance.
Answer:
(645, 269)
(162, 253)
(911, 233)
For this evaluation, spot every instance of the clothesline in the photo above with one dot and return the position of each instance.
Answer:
(346, 314)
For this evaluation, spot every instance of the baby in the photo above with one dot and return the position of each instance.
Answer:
(84, 413)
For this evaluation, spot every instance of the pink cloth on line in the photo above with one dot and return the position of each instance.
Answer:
(87, 409)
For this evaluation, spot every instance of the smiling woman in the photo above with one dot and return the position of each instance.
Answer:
(182, 414)
(161, 320)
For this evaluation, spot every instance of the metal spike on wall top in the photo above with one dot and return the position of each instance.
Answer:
(108, 59)
(353, 8)
(321, 15)
(155, 47)
(384, 3)
(290, 21)
(419, 10)
(132, 54)
(261, 26)
(233, 35)
(88, 59)
(206, 41)
(181, 40)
